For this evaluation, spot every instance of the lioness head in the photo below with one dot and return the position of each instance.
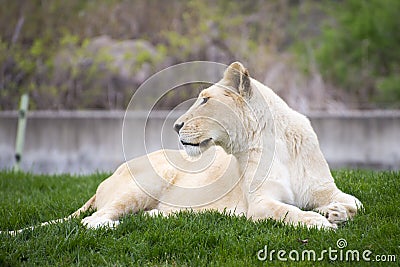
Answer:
(220, 114)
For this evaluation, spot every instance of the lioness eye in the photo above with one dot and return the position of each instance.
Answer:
(204, 100)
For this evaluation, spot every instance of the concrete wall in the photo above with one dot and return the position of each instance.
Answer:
(88, 141)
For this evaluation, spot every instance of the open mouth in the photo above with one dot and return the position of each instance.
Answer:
(196, 144)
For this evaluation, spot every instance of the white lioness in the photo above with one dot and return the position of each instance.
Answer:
(266, 164)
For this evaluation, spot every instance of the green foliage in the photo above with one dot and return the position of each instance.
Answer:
(143, 56)
(70, 40)
(57, 32)
(178, 43)
(359, 50)
(389, 89)
(185, 239)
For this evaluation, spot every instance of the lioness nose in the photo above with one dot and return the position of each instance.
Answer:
(178, 126)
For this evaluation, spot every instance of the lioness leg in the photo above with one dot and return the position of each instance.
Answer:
(96, 221)
(270, 208)
(341, 207)
(109, 214)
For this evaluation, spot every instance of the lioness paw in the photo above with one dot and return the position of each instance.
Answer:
(313, 219)
(94, 222)
(335, 213)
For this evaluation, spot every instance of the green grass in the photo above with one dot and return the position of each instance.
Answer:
(184, 239)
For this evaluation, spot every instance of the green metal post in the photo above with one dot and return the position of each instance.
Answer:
(20, 139)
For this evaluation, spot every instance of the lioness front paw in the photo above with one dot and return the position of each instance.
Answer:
(313, 219)
(94, 222)
(335, 213)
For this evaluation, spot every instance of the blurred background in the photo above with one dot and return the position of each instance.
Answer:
(81, 61)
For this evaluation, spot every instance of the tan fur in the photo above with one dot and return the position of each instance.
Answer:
(275, 168)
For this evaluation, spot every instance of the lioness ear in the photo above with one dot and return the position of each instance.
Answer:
(237, 76)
